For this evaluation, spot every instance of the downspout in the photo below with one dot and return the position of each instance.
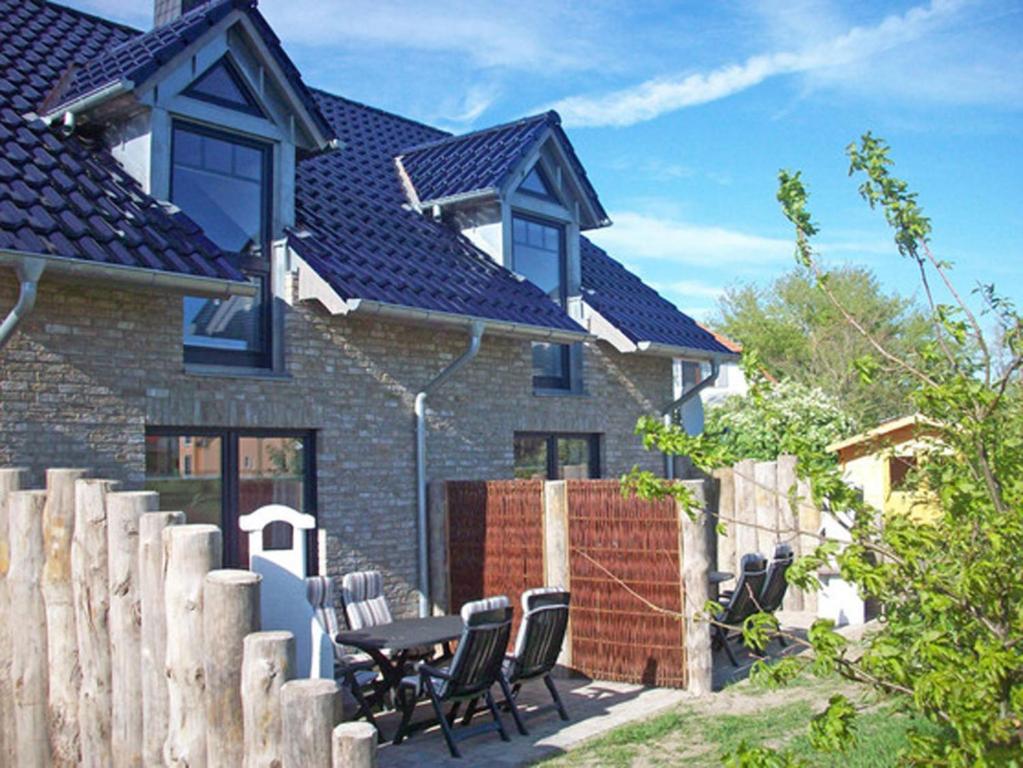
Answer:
(29, 271)
(686, 396)
(475, 337)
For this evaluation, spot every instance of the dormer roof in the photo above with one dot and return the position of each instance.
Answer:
(133, 63)
(483, 163)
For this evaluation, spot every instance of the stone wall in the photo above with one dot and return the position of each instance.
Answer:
(91, 368)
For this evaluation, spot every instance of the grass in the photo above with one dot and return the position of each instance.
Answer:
(693, 736)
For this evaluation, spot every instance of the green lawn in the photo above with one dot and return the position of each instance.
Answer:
(702, 732)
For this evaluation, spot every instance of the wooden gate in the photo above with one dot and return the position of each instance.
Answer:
(615, 635)
(495, 540)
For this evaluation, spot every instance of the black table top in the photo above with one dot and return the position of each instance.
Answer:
(405, 633)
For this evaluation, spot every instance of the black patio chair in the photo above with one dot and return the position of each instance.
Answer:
(541, 635)
(742, 602)
(474, 669)
(355, 671)
(775, 584)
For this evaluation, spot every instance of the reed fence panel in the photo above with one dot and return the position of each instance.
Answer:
(616, 540)
(495, 540)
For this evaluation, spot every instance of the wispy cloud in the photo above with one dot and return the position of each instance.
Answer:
(658, 96)
(642, 236)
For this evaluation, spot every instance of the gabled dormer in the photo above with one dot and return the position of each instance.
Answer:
(207, 112)
(520, 194)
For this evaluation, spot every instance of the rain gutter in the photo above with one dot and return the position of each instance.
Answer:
(29, 271)
(686, 396)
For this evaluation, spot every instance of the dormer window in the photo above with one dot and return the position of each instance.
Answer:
(539, 256)
(536, 184)
(223, 84)
(222, 181)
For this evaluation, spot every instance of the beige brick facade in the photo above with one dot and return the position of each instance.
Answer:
(92, 367)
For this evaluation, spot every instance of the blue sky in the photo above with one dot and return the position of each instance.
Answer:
(683, 112)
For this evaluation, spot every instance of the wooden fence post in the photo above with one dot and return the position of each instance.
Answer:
(765, 474)
(11, 479)
(556, 568)
(788, 521)
(29, 659)
(440, 589)
(745, 510)
(230, 613)
(154, 632)
(355, 745)
(190, 552)
(65, 675)
(123, 513)
(310, 709)
(268, 662)
(91, 592)
(809, 518)
(726, 559)
(695, 561)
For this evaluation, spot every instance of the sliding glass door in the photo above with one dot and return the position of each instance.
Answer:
(217, 475)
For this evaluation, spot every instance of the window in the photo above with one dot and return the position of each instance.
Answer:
(539, 256)
(557, 456)
(216, 476)
(536, 184)
(692, 374)
(223, 84)
(899, 470)
(223, 183)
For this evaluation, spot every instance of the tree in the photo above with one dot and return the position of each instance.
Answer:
(950, 645)
(776, 418)
(799, 334)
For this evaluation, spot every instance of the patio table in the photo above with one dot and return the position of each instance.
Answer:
(399, 638)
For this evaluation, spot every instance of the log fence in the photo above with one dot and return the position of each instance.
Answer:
(123, 643)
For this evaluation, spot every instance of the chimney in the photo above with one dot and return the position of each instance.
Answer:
(166, 11)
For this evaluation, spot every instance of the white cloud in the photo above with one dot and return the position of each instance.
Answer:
(642, 236)
(658, 96)
(690, 289)
(638, 238)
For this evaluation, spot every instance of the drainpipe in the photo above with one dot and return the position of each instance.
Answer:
(475, 337)
(686, 396)
(29, 271)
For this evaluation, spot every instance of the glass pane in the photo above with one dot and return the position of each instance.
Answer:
(574, 458)
(549, 360)
(536, 184)
(219, 83)
(222, 192)
(538, 255)
(236, 322)
(271, 470)
(186, 472)
(530, 457)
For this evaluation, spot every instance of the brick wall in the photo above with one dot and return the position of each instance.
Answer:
(91, 368)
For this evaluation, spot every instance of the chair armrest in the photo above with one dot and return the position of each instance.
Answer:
(426, 669)
(356, 661)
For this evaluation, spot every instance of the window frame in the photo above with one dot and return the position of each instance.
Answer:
(231, 480)
(551, 439)
(552, 383)
(251, 264)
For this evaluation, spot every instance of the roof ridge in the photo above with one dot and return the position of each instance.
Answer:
(91, 16)
(548, 116)
(380, 111)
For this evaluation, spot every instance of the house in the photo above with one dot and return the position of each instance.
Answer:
(730, 380)
(880, 460)
(228, 286)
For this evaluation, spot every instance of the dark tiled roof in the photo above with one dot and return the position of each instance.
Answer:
(59, 195)
(636, 309)
(475, 162)
(481, 161)
(141, 55)
(361, 236)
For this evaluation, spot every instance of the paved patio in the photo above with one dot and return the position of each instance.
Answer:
(595, 707)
